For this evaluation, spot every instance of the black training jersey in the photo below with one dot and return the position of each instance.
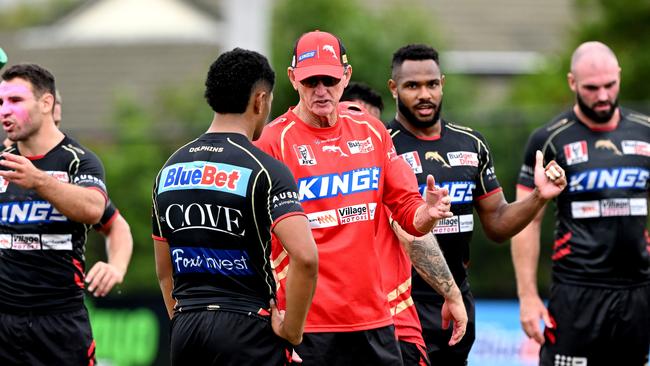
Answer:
(215, 202)
(600, 231)
(42, 261)
(459, 159)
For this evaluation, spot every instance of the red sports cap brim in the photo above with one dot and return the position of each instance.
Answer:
(335, 71)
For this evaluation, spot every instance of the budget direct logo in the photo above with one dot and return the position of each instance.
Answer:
(205, 175)
(360, 146)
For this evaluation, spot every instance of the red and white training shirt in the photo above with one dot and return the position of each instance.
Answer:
(344, 173)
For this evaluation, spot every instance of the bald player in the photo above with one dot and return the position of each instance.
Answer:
(598, 312)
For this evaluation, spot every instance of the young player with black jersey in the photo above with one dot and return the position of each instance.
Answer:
(460, 159)
(51, 190)
(215, 202)
(599, 307)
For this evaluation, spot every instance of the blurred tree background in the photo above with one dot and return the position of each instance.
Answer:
(139, 146)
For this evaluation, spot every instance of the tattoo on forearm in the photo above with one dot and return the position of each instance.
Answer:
(428, 260)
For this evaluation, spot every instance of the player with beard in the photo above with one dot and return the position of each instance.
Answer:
(460, 159)
(598, 312)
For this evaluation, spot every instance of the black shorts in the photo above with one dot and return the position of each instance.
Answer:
(47, 339)
(367, 347)
(224, 337)
(413, 354)
(437, 339)
(597, 326)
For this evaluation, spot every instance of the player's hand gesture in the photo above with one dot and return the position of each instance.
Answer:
(531, 310)
(437, 200)
(22, 172)
(102, 277)
(549, 180)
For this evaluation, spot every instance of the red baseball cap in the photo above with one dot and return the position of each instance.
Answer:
(318, 53)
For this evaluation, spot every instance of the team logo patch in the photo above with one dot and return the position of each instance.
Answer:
(322, 219)
(412, 158)
(360, 146)
(462, 158)
(576, 152)
(334, 149)
(205, 175)
(606, 144)
(330, 49)
(3, 185)
(631, 147)
(435, 156)
(305, 154)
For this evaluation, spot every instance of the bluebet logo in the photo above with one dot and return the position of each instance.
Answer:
(29, 212)
(460, 192)
(332, 185)
(209, 260)
(205, 175)
(612, 178)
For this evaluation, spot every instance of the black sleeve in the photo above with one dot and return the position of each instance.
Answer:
(156, 227)
(110, 213)
(88, 172)
(535, 142)
(283, 199)
(488, 181)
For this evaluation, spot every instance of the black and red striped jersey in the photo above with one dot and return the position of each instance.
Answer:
(42, 262)
(460, 160)
(215, 202)
(601, 237)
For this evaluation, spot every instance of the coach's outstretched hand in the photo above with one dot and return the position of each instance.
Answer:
(437, 205)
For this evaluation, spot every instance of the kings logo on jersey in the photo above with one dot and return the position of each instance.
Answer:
(576, 152)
